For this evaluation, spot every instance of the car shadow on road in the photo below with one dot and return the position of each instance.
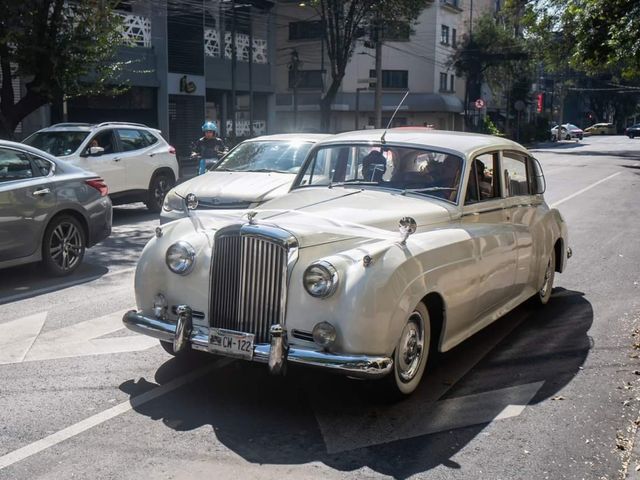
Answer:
(304, 416)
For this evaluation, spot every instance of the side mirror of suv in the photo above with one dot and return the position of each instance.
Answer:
(96, 151)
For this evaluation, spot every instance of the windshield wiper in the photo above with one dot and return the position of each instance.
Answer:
(428, 189)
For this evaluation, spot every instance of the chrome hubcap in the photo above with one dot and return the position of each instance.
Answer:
(410, 349)
(547, 279)
(65, 246)
(160, 190)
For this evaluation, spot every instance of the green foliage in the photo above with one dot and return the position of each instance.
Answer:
(60, 48)
(490, 128)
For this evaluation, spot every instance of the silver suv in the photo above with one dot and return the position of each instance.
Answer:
(134, 160)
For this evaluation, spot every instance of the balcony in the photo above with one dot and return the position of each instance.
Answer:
(454, 5)
(212, 46)
(135, 30)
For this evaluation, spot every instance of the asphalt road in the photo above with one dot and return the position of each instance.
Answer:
(549, 393)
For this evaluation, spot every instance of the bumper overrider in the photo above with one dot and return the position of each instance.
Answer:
(276, 354)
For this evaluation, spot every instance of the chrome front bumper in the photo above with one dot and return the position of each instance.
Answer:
(183, 332)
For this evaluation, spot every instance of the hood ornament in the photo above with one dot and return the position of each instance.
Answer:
(250, 217)
(407, 227)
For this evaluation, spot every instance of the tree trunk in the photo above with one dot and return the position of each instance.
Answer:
(12, 115)
(326, 101)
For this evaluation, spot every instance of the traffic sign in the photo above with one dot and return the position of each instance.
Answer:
(479, 103)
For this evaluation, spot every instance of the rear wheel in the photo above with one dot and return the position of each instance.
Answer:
(410, 355)
(63, 246)
(159, 187)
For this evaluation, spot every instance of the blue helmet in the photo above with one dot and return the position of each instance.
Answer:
(209, 126)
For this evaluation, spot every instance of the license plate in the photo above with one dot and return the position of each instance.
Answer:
(232, 344)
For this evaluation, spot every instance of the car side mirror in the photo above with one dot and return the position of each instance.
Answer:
(96, 151)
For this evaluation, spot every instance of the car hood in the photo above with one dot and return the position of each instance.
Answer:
(222, 188)
(322, 215)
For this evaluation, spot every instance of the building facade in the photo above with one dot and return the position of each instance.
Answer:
(185, 61)
(414, 58)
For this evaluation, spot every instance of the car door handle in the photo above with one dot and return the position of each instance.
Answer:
(43, 191)
(117, 159)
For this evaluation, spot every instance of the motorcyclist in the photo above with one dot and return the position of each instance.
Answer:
(209, 147)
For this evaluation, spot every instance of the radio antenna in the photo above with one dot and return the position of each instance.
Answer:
(393, 116)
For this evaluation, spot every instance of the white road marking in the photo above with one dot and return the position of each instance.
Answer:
(60, 286)
(344, 431)
(84, 425)
(79, 339)
(579, 192)
(17, 337)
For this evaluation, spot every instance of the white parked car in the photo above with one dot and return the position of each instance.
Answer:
(568, 131)
(322, 277)
(256, 170)
(136, 163)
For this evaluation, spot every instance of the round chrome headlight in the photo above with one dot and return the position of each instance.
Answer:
(324, 334)
(320, 279)
(180, 258)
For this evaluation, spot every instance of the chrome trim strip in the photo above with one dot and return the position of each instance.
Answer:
(361, 366)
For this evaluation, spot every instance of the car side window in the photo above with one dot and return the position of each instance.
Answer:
(149, 137)
(104, 139)
(131, 139)
(514, 174)
(483, 184)
(14, 165)
(42, 166)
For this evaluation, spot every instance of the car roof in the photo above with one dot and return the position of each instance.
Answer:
(287, 137)
(466, 143)
(89, 127)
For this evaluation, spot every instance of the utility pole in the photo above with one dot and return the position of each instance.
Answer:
(294, 66)
(378, 90)
(250, 71)
(233, 71)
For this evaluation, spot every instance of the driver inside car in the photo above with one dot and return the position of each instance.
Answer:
(374, 165)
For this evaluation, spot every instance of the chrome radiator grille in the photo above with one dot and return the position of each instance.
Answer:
(248, 284)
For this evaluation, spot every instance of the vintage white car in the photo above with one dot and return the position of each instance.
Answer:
(322, 276)
(255, 171)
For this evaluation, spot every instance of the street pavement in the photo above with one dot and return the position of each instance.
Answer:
(547, 393)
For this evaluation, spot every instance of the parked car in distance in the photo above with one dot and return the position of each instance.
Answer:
(134, 160)
(568, 131)
(633, 131)
(50, 210)
(601, 129)
(255, 171)
(322, 277)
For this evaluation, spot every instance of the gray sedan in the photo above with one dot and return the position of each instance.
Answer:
(50, 211)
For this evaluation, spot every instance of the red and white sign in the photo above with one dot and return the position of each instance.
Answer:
(479, 103)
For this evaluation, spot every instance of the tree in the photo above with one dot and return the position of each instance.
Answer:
(344, 22)
(495, 53)
(60, 49)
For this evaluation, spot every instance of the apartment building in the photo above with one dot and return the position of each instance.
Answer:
(414, 59)
(180, 68)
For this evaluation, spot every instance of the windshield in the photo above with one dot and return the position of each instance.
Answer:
(411, 170)
(57, 144)
(571, 126)
(267, 156)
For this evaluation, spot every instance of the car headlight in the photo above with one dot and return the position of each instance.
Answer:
(173, 202)
(324, 334)
(180, 258)
(320, 279)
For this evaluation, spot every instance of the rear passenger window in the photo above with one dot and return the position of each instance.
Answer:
(131, 139)
(514, 174)
(483, 183)
(14, 165)
(42, 166)
(149, 137)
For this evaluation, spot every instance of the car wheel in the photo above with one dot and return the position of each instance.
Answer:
(568, 137)
(159, 187)
(63, 245)
(544, 294)
(410, 355)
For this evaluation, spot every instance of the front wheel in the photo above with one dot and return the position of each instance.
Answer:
(63, 246)
(410, 355)
(159, 187)
(168, 347)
